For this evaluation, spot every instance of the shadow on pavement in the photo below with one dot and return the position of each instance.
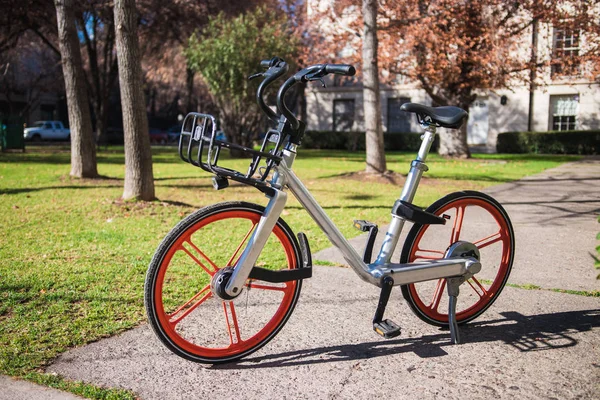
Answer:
(524, 333)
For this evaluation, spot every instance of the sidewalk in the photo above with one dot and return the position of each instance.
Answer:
(15, 389)
(554, 217)
(530, 344)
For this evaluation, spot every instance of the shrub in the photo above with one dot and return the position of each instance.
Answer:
(354, 141)
(553, 142)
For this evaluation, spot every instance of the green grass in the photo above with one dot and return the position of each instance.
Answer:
(73, 256)
(530, 286)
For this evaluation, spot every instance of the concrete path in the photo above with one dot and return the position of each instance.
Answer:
(554, 215)
(531, 344)
(15, 389)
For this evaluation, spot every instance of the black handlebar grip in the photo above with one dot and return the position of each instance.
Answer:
(340, 69)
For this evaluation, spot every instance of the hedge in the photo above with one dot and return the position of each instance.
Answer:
(552, 142)
(356, 141)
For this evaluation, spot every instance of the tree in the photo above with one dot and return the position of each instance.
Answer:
(453, 50)
(371, 99)
(139, 180)
(96, 27)
(227, 52)
(31, 69)
(83, 150)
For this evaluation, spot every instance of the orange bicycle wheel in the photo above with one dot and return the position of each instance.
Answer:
(184, 313)
(473, 217)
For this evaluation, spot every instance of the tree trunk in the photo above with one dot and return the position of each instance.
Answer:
(83, 150)
(453, 142)
(139, 180)
(371, 100)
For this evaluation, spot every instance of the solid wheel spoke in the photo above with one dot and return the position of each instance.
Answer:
(437, 294)
(229, 263)
(231, 330)
(208, 270)
(496, 237)
(207, 294)
(428, 255)
(478, 288)
(460, 213)
(253, 285)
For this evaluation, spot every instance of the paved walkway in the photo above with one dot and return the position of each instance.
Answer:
(530, 345)
(554, 216)
(14, 389)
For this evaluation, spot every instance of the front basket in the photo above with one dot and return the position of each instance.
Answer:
(200, 144)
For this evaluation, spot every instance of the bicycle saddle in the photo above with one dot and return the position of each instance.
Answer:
(446, 117)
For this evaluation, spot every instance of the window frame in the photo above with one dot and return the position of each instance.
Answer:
(389, 108)
(563, 35)
(557, 125)
(335, 128)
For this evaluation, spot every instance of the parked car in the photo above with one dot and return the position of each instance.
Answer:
(221, 136)
(47, 130)
(174, 132)
(158, 136)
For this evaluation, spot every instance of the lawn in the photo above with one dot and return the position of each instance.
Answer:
(73, 256)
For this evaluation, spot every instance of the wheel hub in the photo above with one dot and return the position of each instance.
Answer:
(219, 282)
(463, 249)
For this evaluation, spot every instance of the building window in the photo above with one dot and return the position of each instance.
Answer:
(397, 121)
(343, 115)
(563, 112)
(565, 52)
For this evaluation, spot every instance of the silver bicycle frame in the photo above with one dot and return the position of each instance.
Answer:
(373, 273)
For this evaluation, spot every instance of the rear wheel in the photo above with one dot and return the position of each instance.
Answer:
(476, 218)
(183, 311)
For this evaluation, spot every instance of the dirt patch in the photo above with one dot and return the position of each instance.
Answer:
(388, 177)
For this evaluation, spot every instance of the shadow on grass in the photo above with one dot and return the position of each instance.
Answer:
(524, 333)
(39, 189)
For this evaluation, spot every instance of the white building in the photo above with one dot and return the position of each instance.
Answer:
(562, 103)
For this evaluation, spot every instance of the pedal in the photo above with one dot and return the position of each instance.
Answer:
(387, 328)
(366, 226)
(363, 225)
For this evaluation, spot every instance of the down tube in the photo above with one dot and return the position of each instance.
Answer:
(328, 227)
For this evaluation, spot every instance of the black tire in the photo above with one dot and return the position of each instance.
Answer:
(504, 236)
(222, 218)
(36, 138)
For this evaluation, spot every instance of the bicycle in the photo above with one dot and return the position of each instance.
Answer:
(236, 256)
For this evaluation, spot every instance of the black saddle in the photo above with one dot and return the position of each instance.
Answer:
(446, 117)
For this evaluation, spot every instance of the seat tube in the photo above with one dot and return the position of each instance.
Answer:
(413, 178)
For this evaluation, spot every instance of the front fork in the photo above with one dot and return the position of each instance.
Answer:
(257, 241)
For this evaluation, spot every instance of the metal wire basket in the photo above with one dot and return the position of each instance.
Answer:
(201, 145)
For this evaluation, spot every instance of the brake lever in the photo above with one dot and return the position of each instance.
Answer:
(317, 76)
(320, 80)
(259, 74)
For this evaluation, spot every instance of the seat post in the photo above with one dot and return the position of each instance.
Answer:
(427, 142)
(417, 167)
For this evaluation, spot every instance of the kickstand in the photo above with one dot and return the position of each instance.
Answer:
(453, 290)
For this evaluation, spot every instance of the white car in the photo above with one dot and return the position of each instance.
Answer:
(47, 130)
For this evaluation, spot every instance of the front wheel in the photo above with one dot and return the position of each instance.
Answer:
(184, 313)
(473, 217)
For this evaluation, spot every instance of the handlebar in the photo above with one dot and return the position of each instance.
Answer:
(312, 73)
(275, 67)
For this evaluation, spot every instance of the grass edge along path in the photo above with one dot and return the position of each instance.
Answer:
(73, 257)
